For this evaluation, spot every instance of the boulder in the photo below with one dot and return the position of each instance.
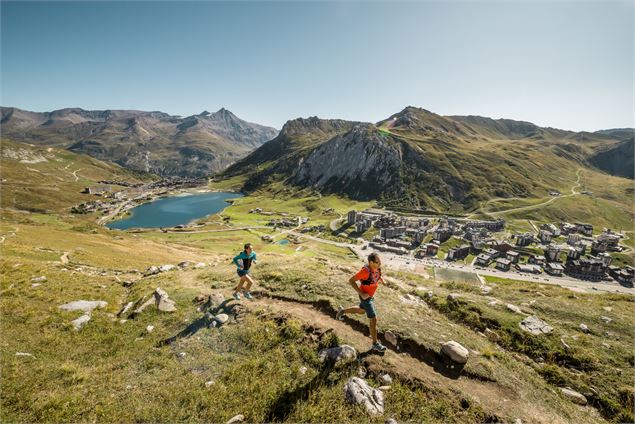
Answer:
(80, 322)
(573, 396)
(83, 305)
(391, 338)
(534, 325)
(359, 392)
(455, 351)
(337, 354)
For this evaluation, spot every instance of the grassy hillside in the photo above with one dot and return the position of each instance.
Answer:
(51, 179)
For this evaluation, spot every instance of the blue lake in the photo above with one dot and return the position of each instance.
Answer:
(174, 210)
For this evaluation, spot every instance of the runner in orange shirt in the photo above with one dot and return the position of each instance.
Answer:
(369, 277)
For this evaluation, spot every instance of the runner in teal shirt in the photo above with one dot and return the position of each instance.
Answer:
(243, 263)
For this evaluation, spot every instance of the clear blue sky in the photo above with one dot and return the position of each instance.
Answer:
(563, 64)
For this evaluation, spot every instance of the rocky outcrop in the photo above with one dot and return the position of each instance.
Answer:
(83, 305)
(534, 325)
(357, 391)
(573, 396)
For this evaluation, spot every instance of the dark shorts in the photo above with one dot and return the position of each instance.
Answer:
(242, 272)
(368, 305)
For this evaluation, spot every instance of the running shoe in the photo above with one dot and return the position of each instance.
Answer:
(377, 346)
(248, 296)
(340, 314)
(237, 296)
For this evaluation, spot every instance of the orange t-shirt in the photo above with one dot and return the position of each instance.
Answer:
(363, 275)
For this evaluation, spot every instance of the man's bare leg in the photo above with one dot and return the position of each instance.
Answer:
(249, 281)
(373, 329)
(239, 287)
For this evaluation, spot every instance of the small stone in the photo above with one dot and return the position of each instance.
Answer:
(606, 319)
(24, 354)
(80, 322)
(303, 370)
(41, 279)
(150, 329)
(607, 308)
(35, 285)
(221, 318)
(493, 303)
(182, 354)
(565, 345)
(383, 388)
(453, 296)
(515, 309)
(128, 387)
(209, 383)
(455, 351)
(151, 271)
(361, 372)
(199, 265)
(184, 264)
(123, 321)
(236, 419)
(584, 328)
(385, 379)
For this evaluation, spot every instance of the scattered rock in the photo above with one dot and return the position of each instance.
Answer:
(584, 328)
(149, 329)
(41, 279)
(125, 309)
(83, 305)
(606, 319)
(455, 351)
(164, 303)
(607, 308)
(236, 419)
(573, 396)
(606, 345)
(359, 392)
(391, 338)
(182, 354)
(80, 322)
(391, 420)
(25, 354)
(515, 309)
(385, 379)
(565, 345)
(491, 335)
(485, 289)
(209, 383)
(34, 285)
(383, 388)
(303, 370)
(151, 271)
(199, 265)
(453, 296)
(184, 264)
(166, 268)
(221, 318)
(493, 302)
(534, 325)
(338, 354)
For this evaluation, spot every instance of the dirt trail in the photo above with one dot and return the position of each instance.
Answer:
(492, 396)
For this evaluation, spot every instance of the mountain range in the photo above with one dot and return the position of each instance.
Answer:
(155, 142)
(416, 158)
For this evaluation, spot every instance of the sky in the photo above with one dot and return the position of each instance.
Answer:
(563, 64)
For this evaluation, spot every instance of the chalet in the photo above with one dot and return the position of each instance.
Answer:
(545, 236)
(483, 259)
(586, 269)
(512, 256)
(536, 259)
(523, 240)
(530, 268)
(458, 253)
(503, 264)
(554, 268)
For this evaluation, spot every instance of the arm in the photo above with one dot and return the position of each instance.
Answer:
(254, 259)
(236, 259)
(353, 282)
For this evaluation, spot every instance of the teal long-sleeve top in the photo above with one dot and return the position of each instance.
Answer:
(243, 260)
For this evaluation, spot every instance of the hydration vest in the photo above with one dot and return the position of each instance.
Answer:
(369, 281)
